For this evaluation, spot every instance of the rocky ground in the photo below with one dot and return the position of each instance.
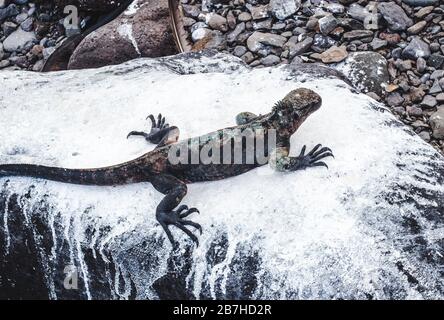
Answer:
(29, 33)
(408, 34)
(31, 30)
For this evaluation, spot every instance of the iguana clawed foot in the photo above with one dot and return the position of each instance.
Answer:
(176, 218)
(158, 130)
(311, 159)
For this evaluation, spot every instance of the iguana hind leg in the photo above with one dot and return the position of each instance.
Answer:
(174, 191)
(161, 133)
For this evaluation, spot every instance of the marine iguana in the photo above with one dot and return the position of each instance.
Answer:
(171, 178)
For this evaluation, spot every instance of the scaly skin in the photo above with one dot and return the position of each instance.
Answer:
(171, 178)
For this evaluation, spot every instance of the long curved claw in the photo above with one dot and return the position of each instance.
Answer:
(153, 120)
(319, 164)
(322, 156)
(175, 218)
(169, 234)
(303, 151)
(162, 123)
(193, 224)
(187, 232)
(188, 212)
(314, 150)
(138, 133)
(182, 208)
(316, 154)
(321, 151)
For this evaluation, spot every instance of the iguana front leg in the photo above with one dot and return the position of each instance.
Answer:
(282, 162)
(161, 133)
(174, 191)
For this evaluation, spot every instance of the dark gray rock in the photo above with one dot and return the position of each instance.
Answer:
(270, 60)
(421, 3)
(421, 65)
(233, 35)
(357, 11)
(259, 12)
(367, 70)
(258, 39)
(429, 102)
(377, 44)
(417, 48)
(395, 16)
(321, 42)
(357, 34)
(239, 51)
(18, 40)
(296, 49)
(394, 99)
(9, 11)
(282, 9)
(436, 61)
(327, 24)
(437, 123)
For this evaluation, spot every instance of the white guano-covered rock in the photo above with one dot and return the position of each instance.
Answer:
(369, 227)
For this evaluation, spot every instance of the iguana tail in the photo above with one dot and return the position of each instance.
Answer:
(115, 175)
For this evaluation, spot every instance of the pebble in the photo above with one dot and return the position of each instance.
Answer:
(217, 22)
(378, 43)
(9, 11)
(296, 49)
(424, 11)
(258, 39)
(244, 17)
(239, 51)
(395, 16)
(421, 65)
(270, 60)
(417, 27)
(327, 24)
(394, 99)
(334, 54)
(440, 98)
(248, 57)
(416, 48)
(18, 40)
(258, 12)
(425, 135)
(416, 3)
(233, 35)
(357, 34)
(436, 61)
(437, 123)
(414, 111)
(429, 102)
(436, 87)
(282, 9)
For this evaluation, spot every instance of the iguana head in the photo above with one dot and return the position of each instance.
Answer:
(289, 113)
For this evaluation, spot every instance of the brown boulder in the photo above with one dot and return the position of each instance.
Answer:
(143, 30)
